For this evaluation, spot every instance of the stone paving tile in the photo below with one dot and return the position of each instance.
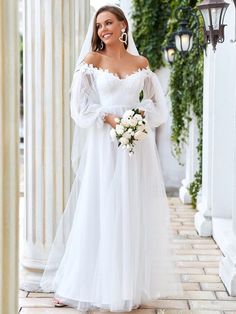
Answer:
(198, 252)
(208, 258)
(211, 270)
(205, 246)
(196, 295)
(167, 304)
(40, 295)
(185, 258)
(223, 295)
(197, 264)
(201, 278)
(35, 302)
(213, 305)
(191, 286)
(183, 239)
(190, 270)
(184, 246)
(219, 286)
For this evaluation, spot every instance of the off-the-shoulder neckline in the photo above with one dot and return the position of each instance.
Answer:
(116, 75)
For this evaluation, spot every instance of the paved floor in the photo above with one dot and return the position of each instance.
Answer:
(197, 262)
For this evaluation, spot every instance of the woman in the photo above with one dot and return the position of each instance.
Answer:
(115, 252)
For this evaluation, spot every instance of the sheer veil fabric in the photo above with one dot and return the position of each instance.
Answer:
(112, 247)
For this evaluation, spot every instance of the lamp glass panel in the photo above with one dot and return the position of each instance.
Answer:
(171, 54)
(178, 42)
(223, 15)
(191, 43)
(186, 41)
(205, 14)
(215, 15)
(166, 55)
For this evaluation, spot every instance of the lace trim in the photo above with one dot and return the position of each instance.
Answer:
(92, 67)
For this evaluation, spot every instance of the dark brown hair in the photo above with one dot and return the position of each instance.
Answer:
(96, 41)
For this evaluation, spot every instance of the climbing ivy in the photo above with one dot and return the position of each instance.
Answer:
(150, 18)
(154, 24)
(186, 93)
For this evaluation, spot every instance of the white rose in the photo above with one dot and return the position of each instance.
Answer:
(119, 129)
(133, 122)
(127, 135)
(138, 117)
(128, 113)
(139, 135)
(124, 141)
(140, 122)
(125, 122)
(141, 127)
(113, 134)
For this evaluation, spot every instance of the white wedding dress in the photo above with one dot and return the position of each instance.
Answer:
(116, 252)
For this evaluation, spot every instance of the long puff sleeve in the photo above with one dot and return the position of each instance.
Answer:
(84, 103)
(154, 101)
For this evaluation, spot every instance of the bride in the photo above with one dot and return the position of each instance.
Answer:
(112, 249)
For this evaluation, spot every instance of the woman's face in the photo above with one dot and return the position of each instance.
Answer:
(109, 27)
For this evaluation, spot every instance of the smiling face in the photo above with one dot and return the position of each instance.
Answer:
(109, 27)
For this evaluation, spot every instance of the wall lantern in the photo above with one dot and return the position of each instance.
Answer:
(184, 38)
(184, 35)
(213, 13)
(170, 51)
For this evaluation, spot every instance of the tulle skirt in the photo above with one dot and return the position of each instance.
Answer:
(112, 249)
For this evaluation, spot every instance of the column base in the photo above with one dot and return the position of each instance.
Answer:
(227, 273)
(29, 280)
(203, 222)
(184, 194)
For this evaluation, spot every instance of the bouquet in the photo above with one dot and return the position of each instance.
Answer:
(130, 128)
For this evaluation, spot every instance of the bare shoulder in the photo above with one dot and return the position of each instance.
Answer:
(142, 62)
(93, 57)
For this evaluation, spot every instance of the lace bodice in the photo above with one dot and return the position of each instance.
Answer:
(96, 90)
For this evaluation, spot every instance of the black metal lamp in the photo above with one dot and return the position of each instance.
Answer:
(184, 38)
(169, 52)
(213, 13)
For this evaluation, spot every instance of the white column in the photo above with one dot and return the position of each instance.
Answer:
(224, 225)
(203, 221)
(53, 32)
(191, 162)
(218, 207)
(9, 155)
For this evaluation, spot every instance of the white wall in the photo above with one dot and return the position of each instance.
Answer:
(173, 173)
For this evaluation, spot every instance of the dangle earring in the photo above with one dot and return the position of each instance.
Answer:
(101, 45)
(124, 36)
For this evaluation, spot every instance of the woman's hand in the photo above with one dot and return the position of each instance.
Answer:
(142, 112)
(110, 119)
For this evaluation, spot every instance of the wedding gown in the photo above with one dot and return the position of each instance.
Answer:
(116, 251)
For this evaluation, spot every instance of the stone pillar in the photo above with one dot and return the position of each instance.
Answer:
(224, 226)
(217, 210)
(53, 33)
(203, 221)
(9, 155)
(191, 162)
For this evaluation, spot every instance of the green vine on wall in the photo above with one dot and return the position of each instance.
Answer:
(150, 18)
(154, 24)
(186, 93)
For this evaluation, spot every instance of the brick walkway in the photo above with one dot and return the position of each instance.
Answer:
(197, 262)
